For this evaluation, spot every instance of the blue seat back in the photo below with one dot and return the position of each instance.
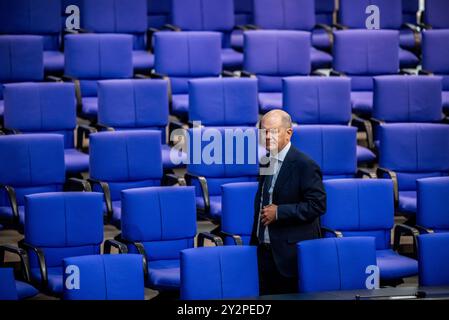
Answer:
(407, 99)
(159, 12)
(285, 14)
(317, 100)
(31, 164)
(133, 104)
(332, 147)
(414, 151)
(272, 55)
(32, 18)
(117, 16)
(335, 264)
(435, 13)
(324, 11)
(106, 277)
(243, 10)
(410, 10)
(435, 49)
(433, 259)
(8, 289)
(433, 212)
(237, 214)
(63, 224)
(360, 207)
(126, 159)
(93, 57)
(219, 273)
(180, 55)
(223, 102)
(41, 108)
(162, 218)
(362, 54)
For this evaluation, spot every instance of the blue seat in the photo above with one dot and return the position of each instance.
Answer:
(30, 164)
(335, 264)
(434, 14)
(57, 226)
(321, 101)
(237, 161)
(365, 207)
(435, 48)
(324, 11)
(434, 259)
(219, 273)
(273, 55)
(361, 55)
(432, 212)
(121, 17)
(11, 289)
(332, 147)
(410, 151)
(106, 277)
(295, 15)
(93, 57)
(46, 108)
(410, 9)
(243, 13)
(21, 60)
(180, 57)
(209, 15)
(124, 160)
(136, 105)
(351, 14)
(237, 217)
(27, 17)
(159, 12)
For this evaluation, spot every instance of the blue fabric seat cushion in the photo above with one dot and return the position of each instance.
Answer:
(394, 266)
(164, 275)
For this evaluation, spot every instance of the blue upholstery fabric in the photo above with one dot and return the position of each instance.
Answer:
(269, 101)
(75, 222)
(8, 289)
(365, 207)
(410, 9)
(324, 9)
(243, 10)
(164, 220)
(76, 161)
(407, 99)
(237, 211)
(407, 201)
(334, 264)
(332, 147)
(433, 259)
(219, 273)
(433, 212)
(223, 102)
(158, 13)
(364, 155)
(25, 290)
(435, 14)
(107, 277)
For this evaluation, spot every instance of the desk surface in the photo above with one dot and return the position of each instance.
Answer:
(383, 294)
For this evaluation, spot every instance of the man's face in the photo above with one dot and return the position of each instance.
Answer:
(276, 136)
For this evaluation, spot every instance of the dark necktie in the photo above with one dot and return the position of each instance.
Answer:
(265, 202)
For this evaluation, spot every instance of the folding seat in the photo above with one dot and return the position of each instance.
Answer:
(235, 160)
(435, 14)
(410, 11)
(121, 17)
(435, 50)
(432, 215)
(322, 101)
(42, 18)
(335, 264)
(411, 151)
(237, 216)
(11, 289)
(361, 55)
(295, 15)
(142, 104)
(433, 260)
(46, 108)
(93, 57)
(285, 53)
(219, 273)
(30, 164)
(209, 15)
(365, 207)
(180, 56)
(158, 223)
(159, 12)
(351, 14)
(106, 277)
(59, 225)
(21, 59)
(124, 160)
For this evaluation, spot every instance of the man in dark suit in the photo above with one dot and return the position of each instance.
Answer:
(288, 205)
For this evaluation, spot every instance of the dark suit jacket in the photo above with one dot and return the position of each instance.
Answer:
(301, 200)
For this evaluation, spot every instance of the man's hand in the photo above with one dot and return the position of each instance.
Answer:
(268, 214)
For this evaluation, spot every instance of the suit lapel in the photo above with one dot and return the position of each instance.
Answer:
(284, 173)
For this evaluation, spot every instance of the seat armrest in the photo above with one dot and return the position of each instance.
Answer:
(246, 74)
(402, 229)
(228, 74)
(393, 176)
(423, 72)
(107, 195)
(204, 188)
(206, 235)
(13, 203)
(236, 238)
(337, 234)
(82, 132)
(41, 261)
(170, 179)
(76, 184)
(102, 127)
(108, 244)
(23, 259)
(335, 73)
(365, 173)
(365, 126)
(340, 26)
